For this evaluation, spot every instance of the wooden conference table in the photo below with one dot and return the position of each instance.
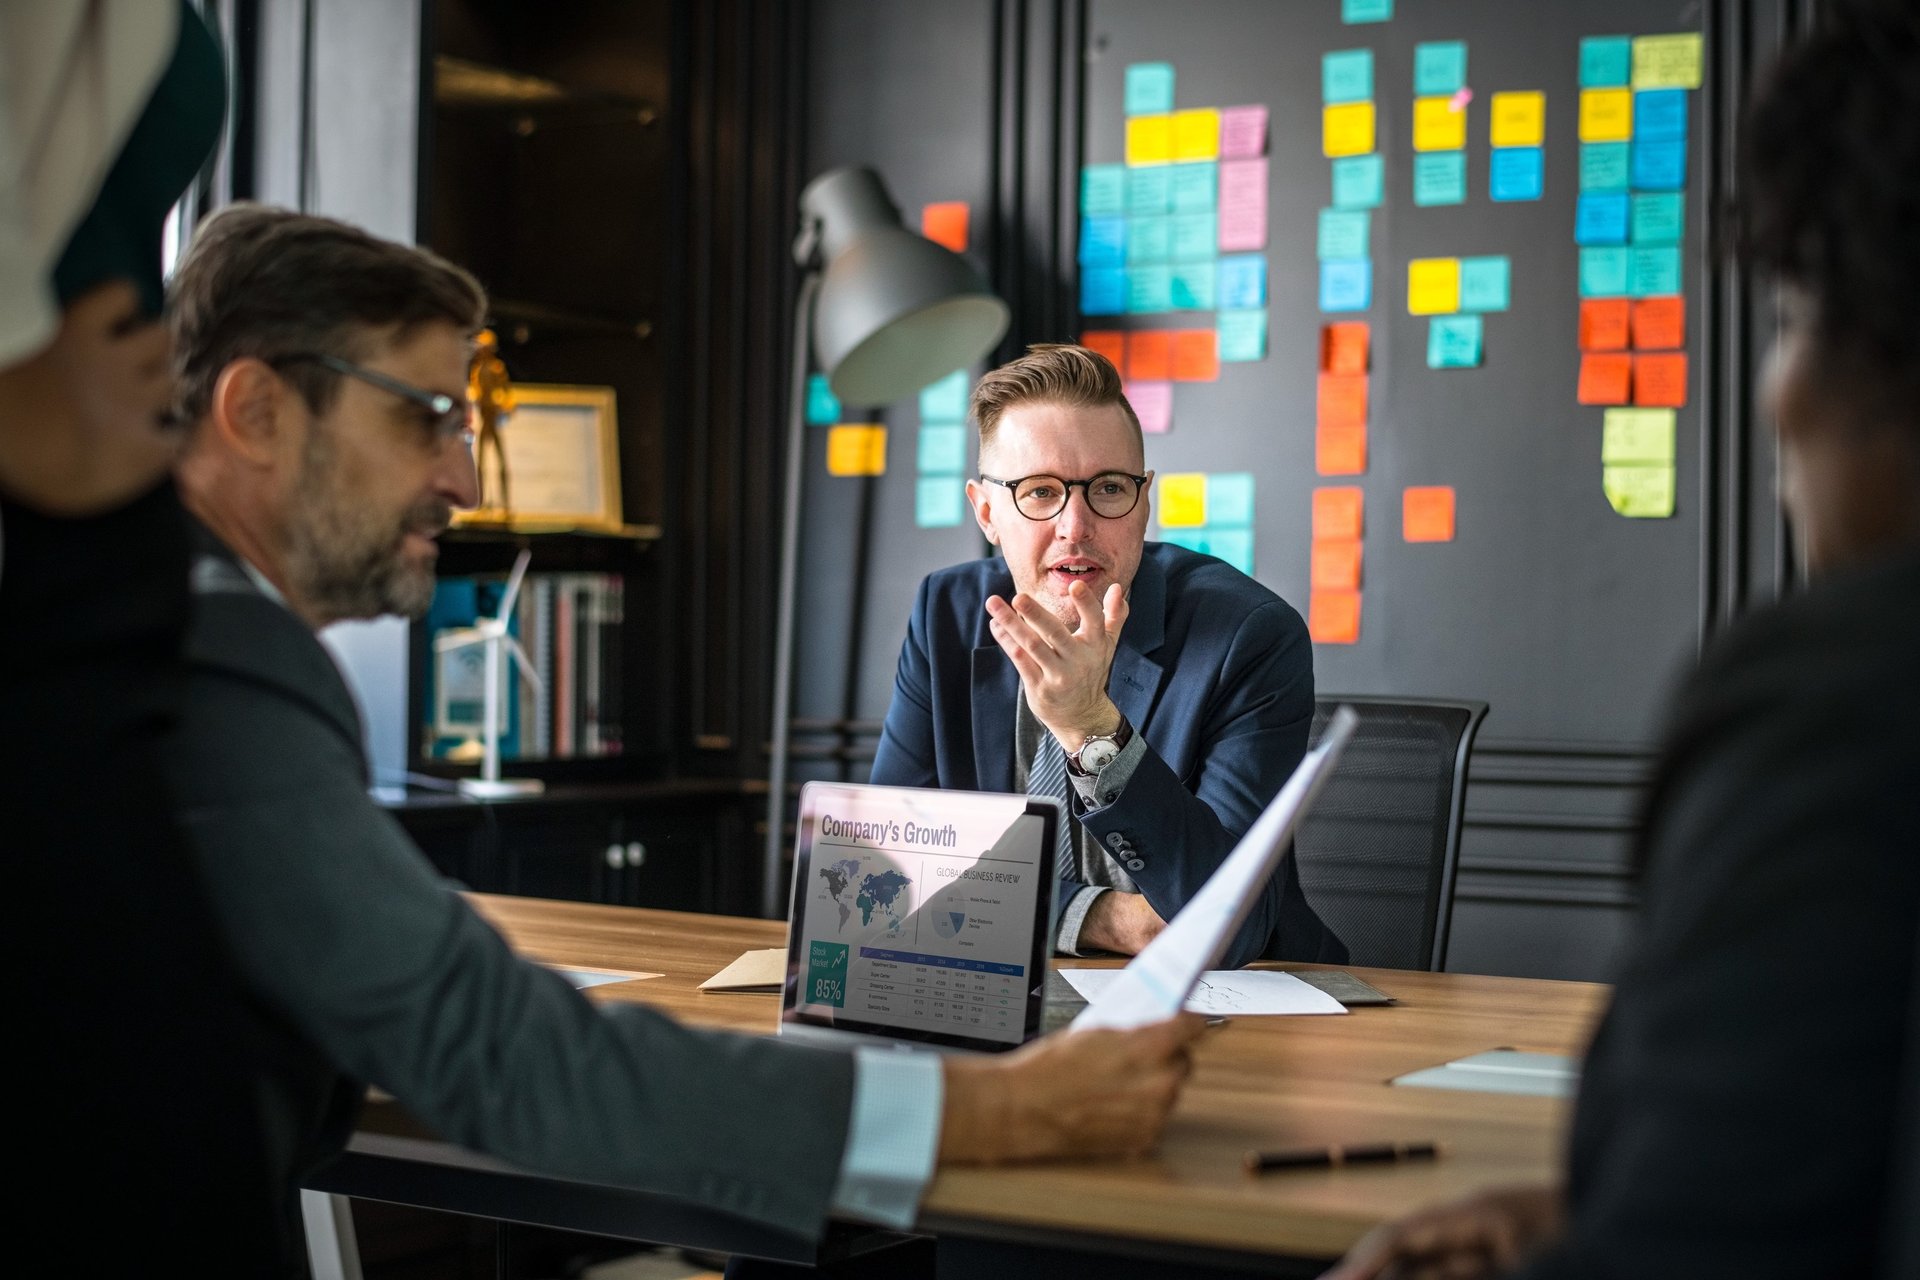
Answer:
(1257, 1082)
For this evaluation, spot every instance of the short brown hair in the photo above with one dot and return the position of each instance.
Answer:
(1055, 373)
(267, 283)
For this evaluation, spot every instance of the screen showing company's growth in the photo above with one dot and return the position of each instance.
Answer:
(918, 910)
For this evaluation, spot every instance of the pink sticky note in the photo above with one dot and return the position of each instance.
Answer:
(1243, 205)
(1153, 404)
(1243, 132)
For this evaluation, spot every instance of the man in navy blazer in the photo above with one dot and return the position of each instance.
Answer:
(1176, 691)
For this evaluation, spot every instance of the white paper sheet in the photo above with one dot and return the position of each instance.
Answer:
(1228, 993)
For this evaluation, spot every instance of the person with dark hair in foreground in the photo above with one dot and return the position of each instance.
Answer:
(1739, 1106)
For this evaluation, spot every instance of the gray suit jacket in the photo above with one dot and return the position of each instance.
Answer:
(373, 970)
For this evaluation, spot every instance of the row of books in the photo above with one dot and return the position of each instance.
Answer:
(570, 627)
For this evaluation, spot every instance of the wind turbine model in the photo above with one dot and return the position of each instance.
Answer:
(491, 633)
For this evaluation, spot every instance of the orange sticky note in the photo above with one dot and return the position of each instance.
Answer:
(857, 449)
(1196, 355)
(1336, 564)
(1343, 347)
(946, 223)
(1660, 324)
(1340, 450)
(1603, 324)
(1342, 400)
(1333, 617)
(1110, 343)
(1150, 355)
(1660, 380)
(1337, 512)
(1426, 514)
(1605, 378)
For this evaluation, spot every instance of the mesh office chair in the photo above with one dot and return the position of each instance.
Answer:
(1378, 852)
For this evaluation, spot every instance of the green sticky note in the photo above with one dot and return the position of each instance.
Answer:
(1346, 76)
(1149, 88)
(1194, 236)
(1230, 500)
(1486, 284)
(945, 400)
(1439, 177)
(1149, 190)
(1637, 436)
(1640, 493)
(1352, 11)
(943, 449)
(1103, 190)
(1149, 240)
(1343, 233)
(1604, 166)
(823, 407)
(1243, 335)
(1606, 62)
(1149, 289)
(1195, 188)
(1659, 217)
(1359, 181)
(1439, 67)
(1603, 272)
(1653, 272)
(1453, 342)
(1194, 286)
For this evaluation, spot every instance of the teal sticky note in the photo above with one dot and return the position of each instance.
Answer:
(1439, 67)
(1149, 240)
(1352, 11)
(1439, 177)
(1346, 286)
(1243, 280)
(1343, 233)
(945, 400)
(823, 407)
(1149, 289)
(1606, 62)
(1346, 76)
(1103, 191)
(943, 449)
(1149, 190)
(1359, 181)
(1603, 166)
(1194, 286)
(1486, 284)
(1242, 335)
(1603, 272)
(1235, 546)
(1453, 342)
(1230, 500)
(1191, 539)
(1195, 188)
(1653, 272)
(1195, 236)
(1103, 242)
(939, 502)
(1516, 173)
(1149, 88)
(1659, 217)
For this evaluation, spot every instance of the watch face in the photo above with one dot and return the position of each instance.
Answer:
(1097, 755)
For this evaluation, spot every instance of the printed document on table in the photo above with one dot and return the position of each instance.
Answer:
(1227, 993)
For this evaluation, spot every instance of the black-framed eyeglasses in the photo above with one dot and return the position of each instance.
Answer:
(1111, 494)
(451, 416)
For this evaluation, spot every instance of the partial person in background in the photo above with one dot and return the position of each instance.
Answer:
(133, 1068)
(1740, 1105)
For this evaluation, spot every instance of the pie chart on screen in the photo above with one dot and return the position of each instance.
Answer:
(948, 923)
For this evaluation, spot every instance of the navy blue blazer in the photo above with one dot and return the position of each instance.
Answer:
(1213, 670)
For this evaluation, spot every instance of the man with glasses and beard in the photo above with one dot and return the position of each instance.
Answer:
(1162, 695)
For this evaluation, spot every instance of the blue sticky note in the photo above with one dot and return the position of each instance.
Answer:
(1149, 190)
(1654, 272)
(1194, 286)
(945, 400)
(1235, 546)
(1486, 284)
(1517, 173)
(1603, 166)
(1103, 191)
(1603, 273)
(823, 407)
(1352, 11)
(1149, 289)
(1440, 177)
(1346, 285)
(943, 449)
(1343, 233)
(1103, 291)
(1359, 181)
(1103, 242)
(1453, 342)
(1659, 217)
(1346, 76)
(1149, 88)
(1601, 218)
(1659, 115)
(1195, 236)
(1230, 500)
(1660, 165)
(1606, 62)
(1195, 187)
(939, 502)
(1439, 67)
(1243, 280)
(1149, 240)
(1242, 335)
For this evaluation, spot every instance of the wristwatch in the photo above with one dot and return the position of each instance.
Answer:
(1099, 751)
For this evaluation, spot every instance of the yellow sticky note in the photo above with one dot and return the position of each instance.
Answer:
(1519, 119)
(1641, 493)
(1667, 62)
(1439, 124)
(857, 449)
(1347, 129)
(1606, 115)
(1149, 139)
(1196, 135)
(1183, 500)
(1433, 286)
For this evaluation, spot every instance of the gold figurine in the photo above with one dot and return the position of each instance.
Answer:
(491, 392)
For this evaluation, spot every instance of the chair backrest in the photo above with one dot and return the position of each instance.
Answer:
(1378, 852)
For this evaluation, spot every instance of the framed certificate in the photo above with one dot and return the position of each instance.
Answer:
(561, 449)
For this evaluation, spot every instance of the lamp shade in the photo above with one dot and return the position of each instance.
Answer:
(895, 311)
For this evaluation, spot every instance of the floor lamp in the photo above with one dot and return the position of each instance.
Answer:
(885, 313)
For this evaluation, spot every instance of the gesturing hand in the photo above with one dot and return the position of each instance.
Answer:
(1063, 671)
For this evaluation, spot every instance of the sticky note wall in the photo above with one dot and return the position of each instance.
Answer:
(940, 476)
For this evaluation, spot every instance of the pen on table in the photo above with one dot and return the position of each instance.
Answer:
(1334, 1156)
